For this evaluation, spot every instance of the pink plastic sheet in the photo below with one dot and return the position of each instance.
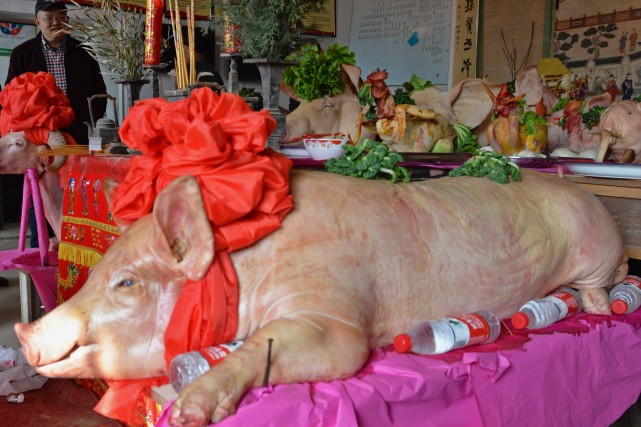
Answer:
(45, 278)
(581, 371)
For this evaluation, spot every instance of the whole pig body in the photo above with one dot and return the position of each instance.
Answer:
(355, 263)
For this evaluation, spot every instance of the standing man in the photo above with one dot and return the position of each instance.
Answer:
(77, 74)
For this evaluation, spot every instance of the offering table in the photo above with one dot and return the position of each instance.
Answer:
(524, 376)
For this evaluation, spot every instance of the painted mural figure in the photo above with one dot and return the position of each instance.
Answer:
(612, 88)
(597, 86)
(626, 87)
(633, 40)
(622, 42)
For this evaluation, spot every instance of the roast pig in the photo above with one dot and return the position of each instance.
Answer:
(355, 263)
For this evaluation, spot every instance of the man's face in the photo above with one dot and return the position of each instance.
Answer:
(53, 25)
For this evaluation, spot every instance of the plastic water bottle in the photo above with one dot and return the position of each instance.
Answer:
(543, 312)
(625, 297)
(186, 367)
(441, 336)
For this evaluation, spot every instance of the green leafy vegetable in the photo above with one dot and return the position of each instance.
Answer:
(419, 83)
(637, 97)
(530, 119)
(318, 73)
(591, 117)
(495, 165)
(466, 140)
(369, 159)
(401, 96)
(366, 98)
(560, 104)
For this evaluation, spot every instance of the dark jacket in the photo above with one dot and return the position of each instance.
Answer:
(83, 79)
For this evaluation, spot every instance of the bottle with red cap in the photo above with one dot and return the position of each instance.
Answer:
(441, 336)
(543, 312)
(185, 368)
(625, 297)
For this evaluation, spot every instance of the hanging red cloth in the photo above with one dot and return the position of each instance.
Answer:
(32, 102)
(220, 140)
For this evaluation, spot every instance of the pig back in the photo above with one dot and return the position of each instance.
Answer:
(383, 256)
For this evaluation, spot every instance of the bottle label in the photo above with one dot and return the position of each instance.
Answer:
(216, 353)
(565, 302)
(633, 280)
(469, 329)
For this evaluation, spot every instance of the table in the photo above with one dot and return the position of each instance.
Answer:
(582, 371)
(622, 197)
(503, 383)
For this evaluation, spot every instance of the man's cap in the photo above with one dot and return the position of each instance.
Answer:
(49, 5)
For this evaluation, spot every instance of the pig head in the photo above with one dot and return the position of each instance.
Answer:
(467, 102)
(329, 114)
(17, 154)
(120, 294)
(620, 132)
(335, 281)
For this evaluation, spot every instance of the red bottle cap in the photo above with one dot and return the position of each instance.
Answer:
(520, 320)
(619, 306)
(403, 343)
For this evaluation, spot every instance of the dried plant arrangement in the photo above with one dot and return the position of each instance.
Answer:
(269, 29)
(114, 36)
(511, 54)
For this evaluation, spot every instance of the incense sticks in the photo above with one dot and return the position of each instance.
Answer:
(184, 78)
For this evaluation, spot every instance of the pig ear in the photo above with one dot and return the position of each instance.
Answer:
(602, 100)
(529, 84)
(289, 91)
(473, 104)
(108, 187)
(353, 76)
(179, 211)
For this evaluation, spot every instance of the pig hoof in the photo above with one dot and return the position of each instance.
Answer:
(187, 416)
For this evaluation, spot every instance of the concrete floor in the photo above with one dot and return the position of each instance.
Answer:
(9, 295)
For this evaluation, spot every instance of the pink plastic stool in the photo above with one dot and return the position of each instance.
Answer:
(37, 267)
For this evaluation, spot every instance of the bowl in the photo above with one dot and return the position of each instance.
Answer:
(325, 147)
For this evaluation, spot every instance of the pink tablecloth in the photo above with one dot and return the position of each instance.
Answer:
(584, 371)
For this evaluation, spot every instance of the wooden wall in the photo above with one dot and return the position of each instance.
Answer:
(515, 18)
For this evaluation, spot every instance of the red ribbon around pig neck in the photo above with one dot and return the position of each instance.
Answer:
(245, 188)
(32, 103)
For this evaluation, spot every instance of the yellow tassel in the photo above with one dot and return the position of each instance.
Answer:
(78, 255)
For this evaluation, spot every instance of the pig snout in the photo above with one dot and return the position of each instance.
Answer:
(296, 125)
(47, 343)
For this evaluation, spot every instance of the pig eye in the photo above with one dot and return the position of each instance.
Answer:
(126, 284)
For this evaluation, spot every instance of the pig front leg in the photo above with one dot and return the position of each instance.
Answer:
(305, 348)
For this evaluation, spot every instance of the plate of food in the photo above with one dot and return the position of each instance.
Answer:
(606, 170)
